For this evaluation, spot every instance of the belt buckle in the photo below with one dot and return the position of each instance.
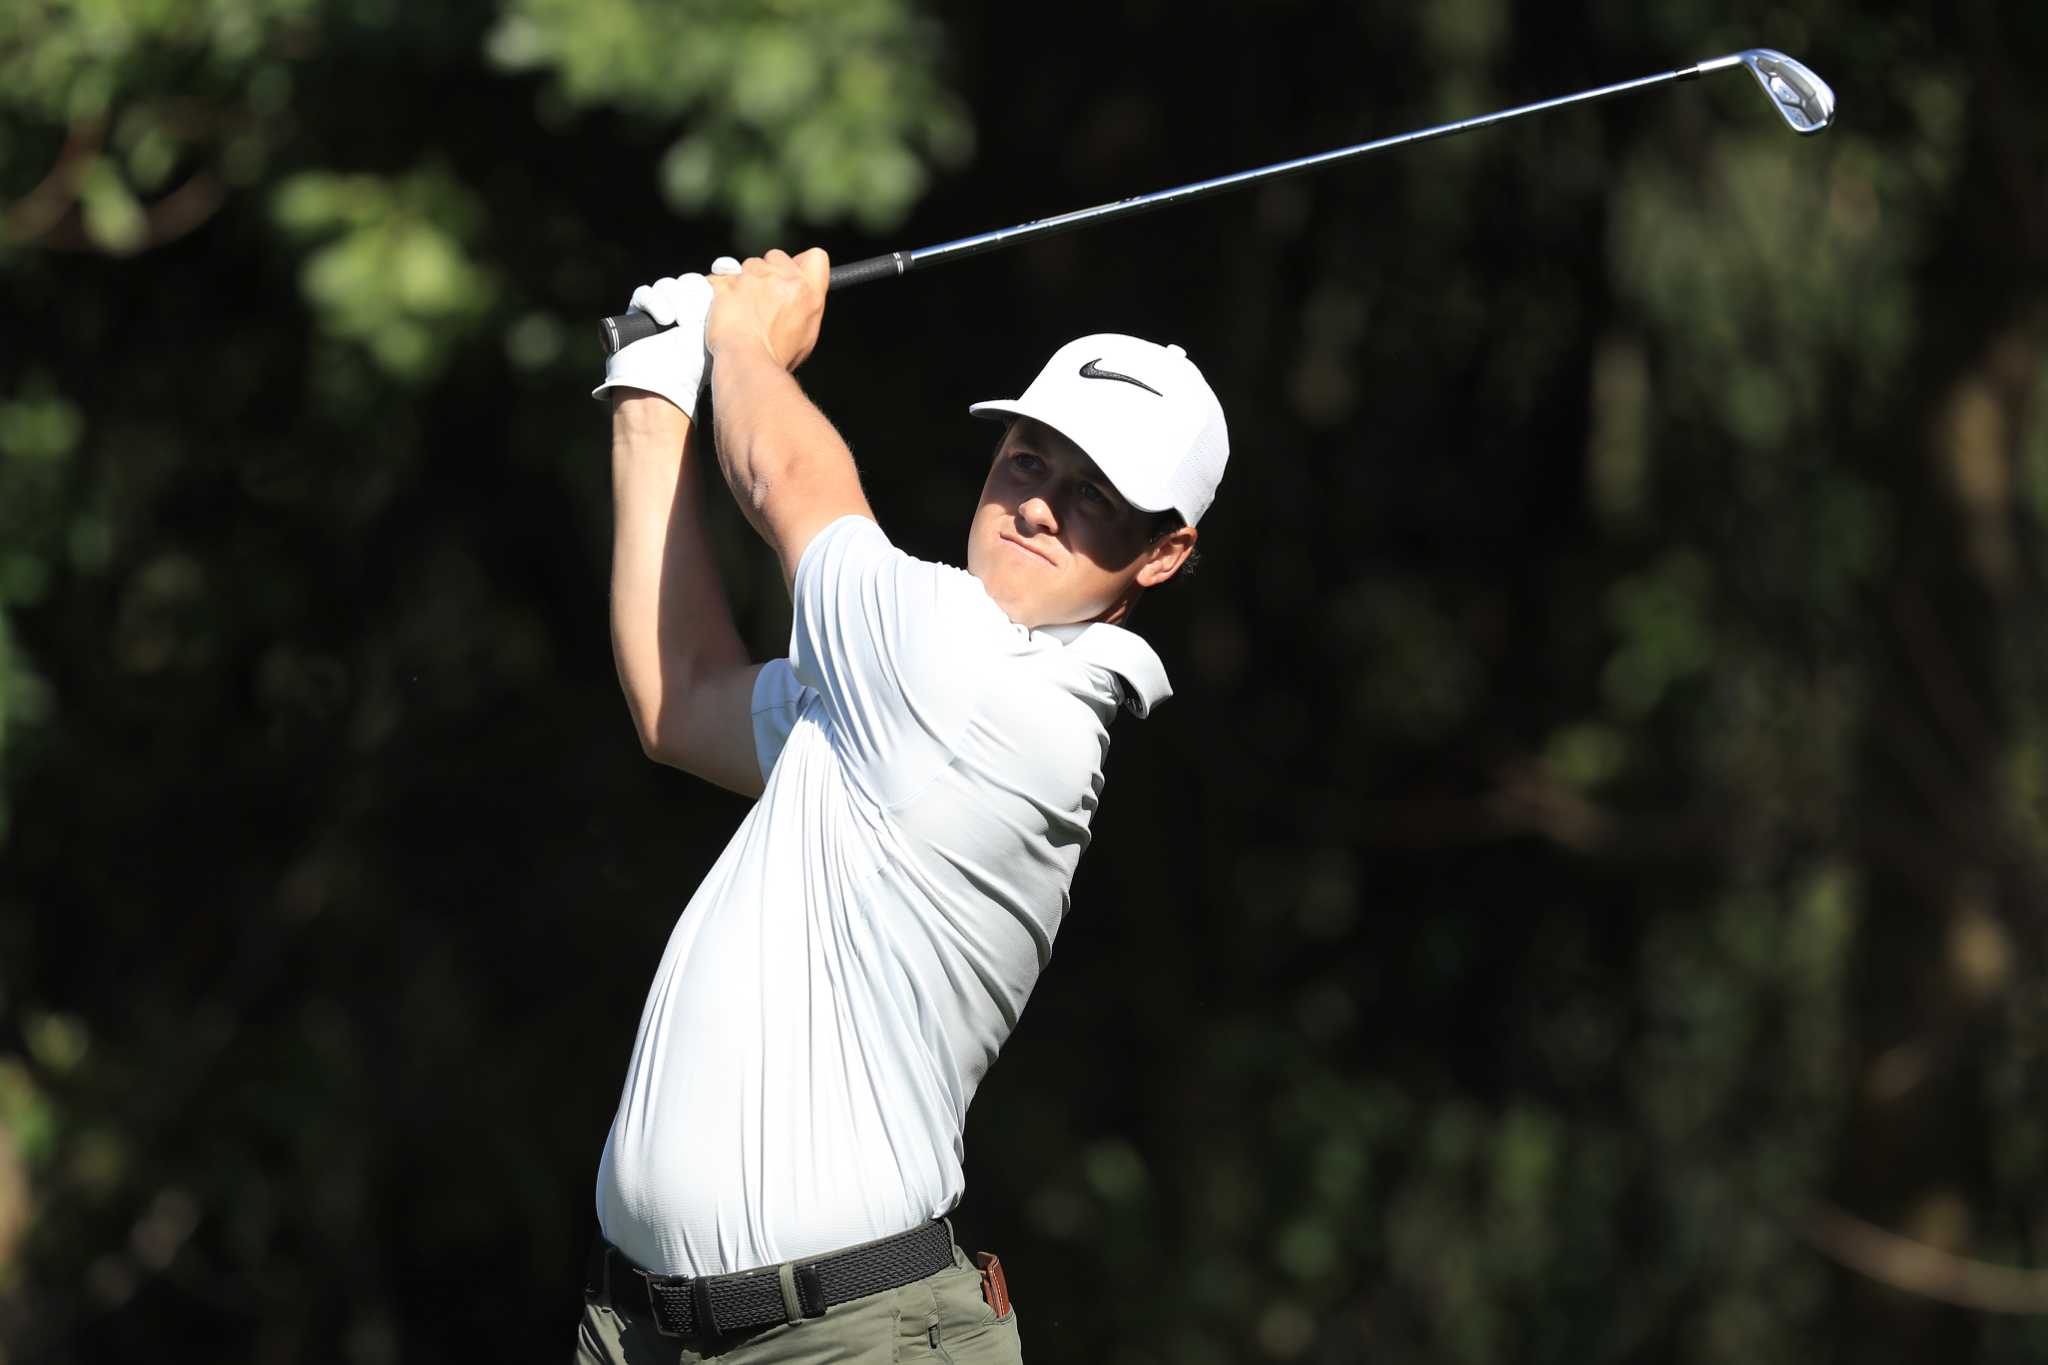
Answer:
(662, 1307)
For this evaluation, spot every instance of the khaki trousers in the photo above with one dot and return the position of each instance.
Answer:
(937, 1321)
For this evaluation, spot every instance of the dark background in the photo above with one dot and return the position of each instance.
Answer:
(1585, 901)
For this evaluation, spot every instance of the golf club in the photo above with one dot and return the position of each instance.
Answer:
(1801, 98)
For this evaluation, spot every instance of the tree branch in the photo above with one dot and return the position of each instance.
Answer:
(45, 206)
(1925, 1271)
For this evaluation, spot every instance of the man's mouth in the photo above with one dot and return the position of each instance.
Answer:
(1035, 554)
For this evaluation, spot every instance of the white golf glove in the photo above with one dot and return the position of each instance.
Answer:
(674, 363)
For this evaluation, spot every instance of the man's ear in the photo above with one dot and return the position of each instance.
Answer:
(1165, 556)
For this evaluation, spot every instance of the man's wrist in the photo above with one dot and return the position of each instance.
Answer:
(643, 416)
(742, 355)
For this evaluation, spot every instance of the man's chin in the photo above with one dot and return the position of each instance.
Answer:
(1030, 611)
(1017, 606)
(1024, 612)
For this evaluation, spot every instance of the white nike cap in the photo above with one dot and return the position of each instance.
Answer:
(1141, 411)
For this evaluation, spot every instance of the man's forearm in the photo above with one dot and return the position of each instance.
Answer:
(772, 440)
(671, 624)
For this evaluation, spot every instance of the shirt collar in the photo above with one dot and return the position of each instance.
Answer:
(1122, 653)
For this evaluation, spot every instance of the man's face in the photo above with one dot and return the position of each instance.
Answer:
(1054, 543)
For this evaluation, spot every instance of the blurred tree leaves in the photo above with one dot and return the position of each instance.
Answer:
(126, 122)
(126, 126)
(39, 434)
(790, 109)
(389, 264)
(1660, 619)
(787, 109)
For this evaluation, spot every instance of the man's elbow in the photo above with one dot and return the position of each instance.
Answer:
(702, 761)
(759, 489)
(704, 729)
(660, 735)
(680, 737)
(652, 746)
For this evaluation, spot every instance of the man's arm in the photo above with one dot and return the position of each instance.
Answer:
(686, 675)
(788, 468)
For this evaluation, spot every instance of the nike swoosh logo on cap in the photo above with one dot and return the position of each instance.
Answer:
(1092, 370)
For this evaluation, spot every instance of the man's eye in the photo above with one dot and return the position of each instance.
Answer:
(1028, 464)
(1093, 494)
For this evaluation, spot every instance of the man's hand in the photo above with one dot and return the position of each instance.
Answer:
(774, 305)
(670, 363)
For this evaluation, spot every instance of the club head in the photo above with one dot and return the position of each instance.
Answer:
(1801, 98)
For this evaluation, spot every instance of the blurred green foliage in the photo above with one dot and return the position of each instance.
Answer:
(1603, 820)
(810, 109)
(391, 270)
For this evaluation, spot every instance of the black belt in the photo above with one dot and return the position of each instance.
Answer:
(712, 1305)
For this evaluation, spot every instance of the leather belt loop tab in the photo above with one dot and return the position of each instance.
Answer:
(792, 1306)
(811, 1290)
(705, 1322)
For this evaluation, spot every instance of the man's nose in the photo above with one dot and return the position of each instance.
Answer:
(1037, 513)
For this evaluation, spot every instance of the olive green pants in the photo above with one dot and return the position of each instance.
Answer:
(937, 1321)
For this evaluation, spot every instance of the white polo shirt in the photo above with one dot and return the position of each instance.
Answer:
(849, 968)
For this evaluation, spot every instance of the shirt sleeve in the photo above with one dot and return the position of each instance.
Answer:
(896, 649)
(778, 700)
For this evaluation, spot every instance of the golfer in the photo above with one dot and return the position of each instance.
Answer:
(928, 759)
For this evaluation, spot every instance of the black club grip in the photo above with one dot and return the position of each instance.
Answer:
(873, 268)
(627, 328)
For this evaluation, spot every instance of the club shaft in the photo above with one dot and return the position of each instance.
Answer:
(1203, 189)
(620, 331)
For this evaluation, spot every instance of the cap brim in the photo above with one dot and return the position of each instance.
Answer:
(997, 408)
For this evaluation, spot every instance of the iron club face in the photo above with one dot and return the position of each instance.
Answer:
(1801, 98)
